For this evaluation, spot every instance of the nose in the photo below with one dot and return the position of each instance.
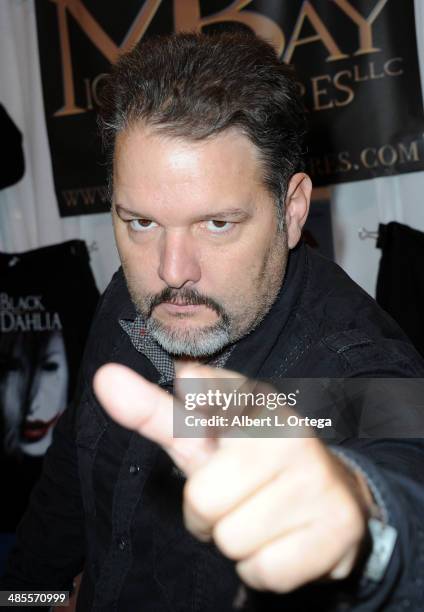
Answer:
(179, 263)
(33, 398)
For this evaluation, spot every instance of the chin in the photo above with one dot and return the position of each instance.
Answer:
(198, 341)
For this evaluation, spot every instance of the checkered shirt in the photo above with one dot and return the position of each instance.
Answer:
(163, 362)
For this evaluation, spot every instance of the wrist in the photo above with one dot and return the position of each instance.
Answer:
(380, 537)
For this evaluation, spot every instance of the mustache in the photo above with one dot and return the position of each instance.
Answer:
(186, 297)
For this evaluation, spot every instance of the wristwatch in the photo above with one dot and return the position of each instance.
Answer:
(382, 535)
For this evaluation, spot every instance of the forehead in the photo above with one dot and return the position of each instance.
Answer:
(155, 167)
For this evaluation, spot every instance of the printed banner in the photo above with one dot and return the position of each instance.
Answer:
(357, 61)
(44, 325)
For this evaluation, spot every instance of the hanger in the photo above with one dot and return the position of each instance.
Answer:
(363, 234)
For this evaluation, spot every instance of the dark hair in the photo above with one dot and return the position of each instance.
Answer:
(198, 85)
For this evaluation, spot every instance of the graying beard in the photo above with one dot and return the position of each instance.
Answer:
(193, 345)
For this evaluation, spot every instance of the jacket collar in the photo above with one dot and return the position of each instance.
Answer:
(251, 352)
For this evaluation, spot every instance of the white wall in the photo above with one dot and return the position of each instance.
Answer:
(29, 214)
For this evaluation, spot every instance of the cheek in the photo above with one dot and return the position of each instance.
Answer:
(230, 272)
(123, 243)
(247, 251)
(243, 261)
(130, 251)
(62, 379)
(141, 265)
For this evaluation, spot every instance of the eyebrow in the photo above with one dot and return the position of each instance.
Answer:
(120, 208)
(232, 213)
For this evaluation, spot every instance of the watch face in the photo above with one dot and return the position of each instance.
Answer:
(383, 538)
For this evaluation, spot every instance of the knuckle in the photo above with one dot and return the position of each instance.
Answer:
(226, 541)
(340, 573)
(195, 501)
(347, 515)
(320, 477)
(265, 573)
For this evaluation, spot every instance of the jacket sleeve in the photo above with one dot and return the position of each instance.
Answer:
(392, 460)
(50, 545)
(394, 469)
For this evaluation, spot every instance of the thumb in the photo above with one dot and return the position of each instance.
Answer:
(142, 406)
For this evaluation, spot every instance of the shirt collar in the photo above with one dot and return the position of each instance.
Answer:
(162, 361)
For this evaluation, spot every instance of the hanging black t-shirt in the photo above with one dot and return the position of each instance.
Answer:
(400, 287)
(13, 165)
(47, 300)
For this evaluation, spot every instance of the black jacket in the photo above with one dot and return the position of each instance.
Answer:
(109, 501)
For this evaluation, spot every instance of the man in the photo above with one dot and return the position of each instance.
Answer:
(205, 139)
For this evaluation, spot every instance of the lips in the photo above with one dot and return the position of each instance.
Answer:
(33, 431)
(182, 304)
(179, 307)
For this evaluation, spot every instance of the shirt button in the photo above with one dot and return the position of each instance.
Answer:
(134, 469)
(122, 544)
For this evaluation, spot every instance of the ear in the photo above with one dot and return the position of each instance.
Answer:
(297, 206)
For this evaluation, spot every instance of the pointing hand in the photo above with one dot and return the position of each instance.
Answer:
(286, 510)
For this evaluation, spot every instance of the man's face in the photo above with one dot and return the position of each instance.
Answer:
(198, 237)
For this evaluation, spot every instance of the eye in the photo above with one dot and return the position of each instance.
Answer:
(219, 227)
(11, 365)
(50, 366)
(142, 225)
